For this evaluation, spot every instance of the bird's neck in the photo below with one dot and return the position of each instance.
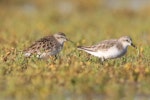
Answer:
(125, 46)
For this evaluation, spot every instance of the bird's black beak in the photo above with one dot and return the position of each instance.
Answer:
(133, 45)
(70, 41)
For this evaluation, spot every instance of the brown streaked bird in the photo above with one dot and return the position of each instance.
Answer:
(47, 46)
(109, 49)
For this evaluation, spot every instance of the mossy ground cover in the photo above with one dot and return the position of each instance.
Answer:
(74, 74)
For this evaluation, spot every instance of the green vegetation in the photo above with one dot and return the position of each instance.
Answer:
(75, 74)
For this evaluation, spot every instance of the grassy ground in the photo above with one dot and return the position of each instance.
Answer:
(75, 74)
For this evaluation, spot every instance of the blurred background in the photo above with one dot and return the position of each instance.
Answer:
(100, 19)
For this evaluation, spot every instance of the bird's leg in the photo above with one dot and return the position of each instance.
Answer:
(102, 60)
(55, 57)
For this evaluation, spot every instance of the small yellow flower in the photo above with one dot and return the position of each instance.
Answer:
(78, 43)
(8, 53)
(52, 67)
(127, 66)
(67, 64)
(141, 49)
(147, 70)
(83, 41)
(88, 63)
(137, 70)
(81, 63)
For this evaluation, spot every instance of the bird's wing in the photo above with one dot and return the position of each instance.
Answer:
(41, 45)
(103, 45)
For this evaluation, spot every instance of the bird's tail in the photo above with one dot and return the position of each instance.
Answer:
(85, 48)
(79, 47)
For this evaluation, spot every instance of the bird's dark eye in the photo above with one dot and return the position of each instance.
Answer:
(127, 40)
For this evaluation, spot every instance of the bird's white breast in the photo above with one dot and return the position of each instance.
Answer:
(112, 52)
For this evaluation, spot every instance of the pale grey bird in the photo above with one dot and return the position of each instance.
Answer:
(109, 49)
